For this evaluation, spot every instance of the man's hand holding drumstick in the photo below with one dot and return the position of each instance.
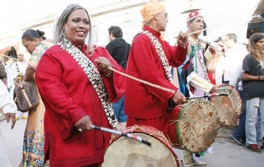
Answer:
(178, 98)
(182, 39)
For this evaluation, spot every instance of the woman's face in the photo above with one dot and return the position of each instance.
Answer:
(30, 45)
(260, 44)
(77, 26)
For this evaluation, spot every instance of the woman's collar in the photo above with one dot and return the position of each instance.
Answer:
(81, 46)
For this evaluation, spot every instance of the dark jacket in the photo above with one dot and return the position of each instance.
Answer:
(119, 50)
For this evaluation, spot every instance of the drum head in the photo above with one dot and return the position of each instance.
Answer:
(197, 125)
(124, 152)
(228, 107)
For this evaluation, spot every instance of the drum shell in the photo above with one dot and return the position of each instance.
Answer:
(127, 155)
(228, 107)
(193, 126)
(173, 135)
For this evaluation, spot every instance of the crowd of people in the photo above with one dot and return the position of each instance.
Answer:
(77, 87)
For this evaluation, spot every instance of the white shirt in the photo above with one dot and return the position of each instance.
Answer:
(7, 105)
(231, 65)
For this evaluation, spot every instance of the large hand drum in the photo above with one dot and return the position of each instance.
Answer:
(228, 107)
(124, 152)
(193, 126)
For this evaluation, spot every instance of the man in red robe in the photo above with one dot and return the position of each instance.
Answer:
(150, 60)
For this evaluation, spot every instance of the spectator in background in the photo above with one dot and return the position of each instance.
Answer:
(229, 67)
(33, 145)
(118, 47)
(119, 50)
(253, 90)
(14, 66)
(215, 50)
(18, 67)
(3, 73)
(11, 68)
(229, 71)
(7, 112)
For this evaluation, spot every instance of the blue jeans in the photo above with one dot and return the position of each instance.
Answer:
(119, 110)
(255, 121)
(240, 131)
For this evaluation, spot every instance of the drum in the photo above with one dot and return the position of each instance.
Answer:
(228, 107)
(193, 126)
(124, 152)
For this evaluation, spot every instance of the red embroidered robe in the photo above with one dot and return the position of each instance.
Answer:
(68, 96)
(143, 101)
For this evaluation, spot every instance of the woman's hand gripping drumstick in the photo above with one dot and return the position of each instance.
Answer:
(85, 124)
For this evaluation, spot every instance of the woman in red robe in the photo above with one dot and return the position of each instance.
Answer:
(77, 89)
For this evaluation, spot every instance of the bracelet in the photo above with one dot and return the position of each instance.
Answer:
(259, 77)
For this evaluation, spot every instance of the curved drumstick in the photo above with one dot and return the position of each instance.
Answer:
(206, 96)
(142, 81)
(163, 88)
(128, 135)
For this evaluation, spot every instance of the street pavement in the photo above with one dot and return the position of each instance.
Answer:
(226, 152)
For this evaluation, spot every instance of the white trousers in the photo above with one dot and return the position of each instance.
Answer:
(4, 158)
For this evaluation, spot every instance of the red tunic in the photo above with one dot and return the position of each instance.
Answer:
(68, 96)
(143, 101)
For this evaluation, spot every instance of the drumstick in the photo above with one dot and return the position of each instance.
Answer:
(142, 81)
(209, 95)
(191, 33)
(128, 135)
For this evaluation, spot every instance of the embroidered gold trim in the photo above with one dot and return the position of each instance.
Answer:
(161, 54)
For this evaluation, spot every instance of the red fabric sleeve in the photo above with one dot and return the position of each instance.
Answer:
(49, 81)
(148, 63)
(179, 56)
(115, 83)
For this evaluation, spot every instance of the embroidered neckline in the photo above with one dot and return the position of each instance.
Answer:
(94, 77)
(161, 53)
